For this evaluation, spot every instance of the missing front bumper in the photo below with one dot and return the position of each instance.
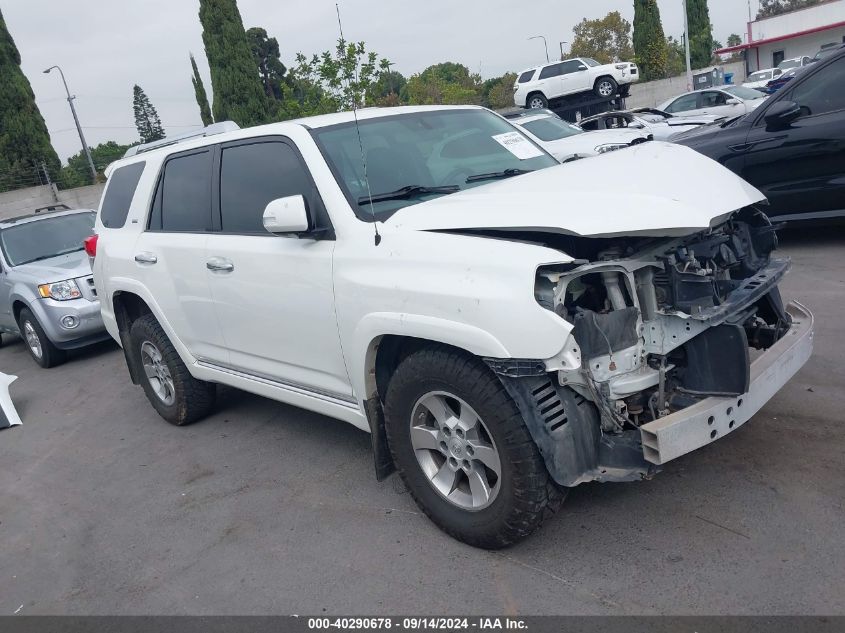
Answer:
(706, 421)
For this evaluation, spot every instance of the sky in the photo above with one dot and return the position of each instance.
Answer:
(106, 46)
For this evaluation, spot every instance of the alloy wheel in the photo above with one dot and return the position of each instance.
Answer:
(455, 450)
(32, 340)
(157, 372)
(605, 88)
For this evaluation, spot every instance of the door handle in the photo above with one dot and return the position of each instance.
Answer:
(220, 265)
(146, 258)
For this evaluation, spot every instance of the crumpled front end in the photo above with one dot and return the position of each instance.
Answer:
(675, 342)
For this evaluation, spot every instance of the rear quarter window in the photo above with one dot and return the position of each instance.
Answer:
(526, 76)
(119, 194)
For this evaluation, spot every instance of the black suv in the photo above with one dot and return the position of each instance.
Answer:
(792, 147)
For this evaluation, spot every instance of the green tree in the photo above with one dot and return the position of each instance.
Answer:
(146, 118)
(734, 40)
(606, 40)
(676, 57)
(700, 33)
(238, 94)
(445, 83)
(649, 40)
(769, 8)
(24, 140)
(77, 173)
(265, 52)
(199, 93)
(388, 89)
(497, 93)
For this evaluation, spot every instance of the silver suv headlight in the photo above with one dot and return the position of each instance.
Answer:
(60, 290)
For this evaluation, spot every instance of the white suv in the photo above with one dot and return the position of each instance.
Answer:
(505, 326)
(537, 87)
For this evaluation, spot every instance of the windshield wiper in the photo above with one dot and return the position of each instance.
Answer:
(505, 173)
(409, 191)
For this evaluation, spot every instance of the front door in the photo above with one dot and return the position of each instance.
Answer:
(273, 295)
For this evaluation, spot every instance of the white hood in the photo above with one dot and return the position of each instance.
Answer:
(654, 189)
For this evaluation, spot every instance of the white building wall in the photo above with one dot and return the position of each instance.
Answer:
(795, 47)
(797, 21)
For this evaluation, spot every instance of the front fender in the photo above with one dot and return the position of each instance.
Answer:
(375, 325)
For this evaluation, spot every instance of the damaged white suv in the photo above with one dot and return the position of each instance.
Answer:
(505, 326)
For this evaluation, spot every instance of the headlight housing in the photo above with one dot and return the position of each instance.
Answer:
(621, 66)
(609, 147)
(60, 290)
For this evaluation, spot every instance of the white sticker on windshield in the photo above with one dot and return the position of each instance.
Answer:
(517, 145)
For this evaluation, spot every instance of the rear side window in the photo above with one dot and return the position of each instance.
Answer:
(183, 198)
(551, 71)
(526, 76)
(119, 194)
(253, 175)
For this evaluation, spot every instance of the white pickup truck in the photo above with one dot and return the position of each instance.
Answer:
(506, 327)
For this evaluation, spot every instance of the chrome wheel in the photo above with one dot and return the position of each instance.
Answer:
(157, 373)
(605, 88)
(455, 451)
(32, 340)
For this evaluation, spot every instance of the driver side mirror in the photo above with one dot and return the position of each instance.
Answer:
(286, 215)
(781, 114)
(582, 67)
(733, 101)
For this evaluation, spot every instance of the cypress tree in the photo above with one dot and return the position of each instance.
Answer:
(700, 33)
(199, 92)
(649, 40)
(238, 93)
(24, 140)
(146, 117)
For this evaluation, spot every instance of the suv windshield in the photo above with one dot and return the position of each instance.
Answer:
(592, 63)
(418, 156)
(748, 94)
(550, 128)
(45, 238)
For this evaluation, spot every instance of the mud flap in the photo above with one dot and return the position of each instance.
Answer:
(8, 415)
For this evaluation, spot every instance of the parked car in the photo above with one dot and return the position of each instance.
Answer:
(505, 331)
(826, 50)
(540, 86)
(726, 101)
(776, 84)
(47, 294)
(660, 125)
(759, 79)
(568, 142)
(795, 62)
(793, 147)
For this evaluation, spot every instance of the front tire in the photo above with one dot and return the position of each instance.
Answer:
(537, 101)
(605, 87)
(41, 348)
(463, 450)
(177, 396)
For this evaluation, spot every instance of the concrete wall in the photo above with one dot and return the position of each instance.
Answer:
(652, 93)
(25, 201)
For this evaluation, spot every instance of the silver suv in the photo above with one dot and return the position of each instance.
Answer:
(47, 292)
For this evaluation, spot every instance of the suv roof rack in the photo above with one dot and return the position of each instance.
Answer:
(211, 130)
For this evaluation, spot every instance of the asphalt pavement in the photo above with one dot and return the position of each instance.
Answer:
(268, 509)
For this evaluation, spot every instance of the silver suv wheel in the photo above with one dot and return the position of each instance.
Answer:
(455, 450)
(32, 340)
(536, 103)
(605, 88)
(157, 373)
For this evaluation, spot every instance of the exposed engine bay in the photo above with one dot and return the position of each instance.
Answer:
(661, 324)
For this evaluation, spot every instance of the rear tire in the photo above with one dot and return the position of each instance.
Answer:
(605, 87)
(177, 396)
(488, 443)
(536, 101)
(41, 348)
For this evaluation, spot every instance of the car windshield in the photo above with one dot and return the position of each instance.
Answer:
(590, 62)
(49, 237)
(409, 155)
(747, 94)
(549, 128)
(761, 76)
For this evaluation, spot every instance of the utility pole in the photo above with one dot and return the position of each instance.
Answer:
(686, 46)
(78, 126)
(561, 49)
(534, 37)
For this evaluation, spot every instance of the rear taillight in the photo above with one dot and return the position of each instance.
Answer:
(90, 244)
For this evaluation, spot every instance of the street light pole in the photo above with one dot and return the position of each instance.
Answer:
(686, 46)
(561, 49)
(78, 126)
(534, 37)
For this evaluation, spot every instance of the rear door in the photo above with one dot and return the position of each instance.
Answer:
(169, 257)
(273, 295)
(801, 169)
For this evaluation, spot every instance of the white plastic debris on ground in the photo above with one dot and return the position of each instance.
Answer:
(8, 414)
